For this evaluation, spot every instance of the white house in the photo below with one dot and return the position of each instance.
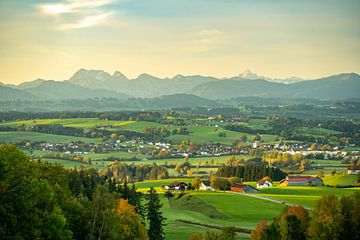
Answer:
(263, 184)
(354, 169)
(205, 186)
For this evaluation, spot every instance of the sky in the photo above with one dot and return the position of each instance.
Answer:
(222, 38)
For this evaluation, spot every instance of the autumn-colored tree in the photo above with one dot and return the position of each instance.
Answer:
(129, 222)
(302, 214)
(177, 168)
(113, 136)
(189, 173)
(257, 233)
(325, 218)
(196, 182)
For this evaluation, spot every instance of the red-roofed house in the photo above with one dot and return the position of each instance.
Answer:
(354, 169)
(301, 181)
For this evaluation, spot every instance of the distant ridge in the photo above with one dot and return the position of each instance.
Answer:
(85, 84)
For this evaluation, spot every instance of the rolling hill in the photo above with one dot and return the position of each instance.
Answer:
(342, 86)
(11, 94)
(86, 84)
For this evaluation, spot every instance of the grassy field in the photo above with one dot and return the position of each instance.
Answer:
(142, 186)
(239, 212)
(87, 123)
(66, 163)
(70, 122)
(306, 196)
(341, 180)
(12, 137)
(141, 125)
(319, 131)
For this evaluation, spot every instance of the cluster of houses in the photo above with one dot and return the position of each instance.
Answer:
(246, 188)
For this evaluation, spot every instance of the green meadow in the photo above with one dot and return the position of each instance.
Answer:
(12, 137)
(217, 208)
(210, 134)
(306, 196)
(65, 163)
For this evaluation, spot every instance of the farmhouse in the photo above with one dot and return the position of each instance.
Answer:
(301, 181)
(243, 188)
(354, 169)
(264, 182)
(205, 186)
(176, 186)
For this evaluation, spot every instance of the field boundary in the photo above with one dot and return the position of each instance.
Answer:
(236, 229)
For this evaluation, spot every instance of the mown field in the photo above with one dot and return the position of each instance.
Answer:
(306, 196)
(211, 134)
(65, 163)
(12, 137)
(227, 209)
(86, 123)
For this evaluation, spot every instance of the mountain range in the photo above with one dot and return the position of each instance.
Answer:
(86, 84)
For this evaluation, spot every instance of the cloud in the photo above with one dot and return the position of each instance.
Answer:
(72, 6)
(76, 14)
(86, 22)
(206, 40)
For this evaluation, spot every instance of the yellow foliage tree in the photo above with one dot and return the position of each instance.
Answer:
(130, 222)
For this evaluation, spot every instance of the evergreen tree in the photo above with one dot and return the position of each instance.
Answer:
(155, 217)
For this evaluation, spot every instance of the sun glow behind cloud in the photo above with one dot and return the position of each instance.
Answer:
(87, 13)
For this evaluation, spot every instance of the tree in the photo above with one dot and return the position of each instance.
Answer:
(154, 216)
(177, 168)
(129, 222)
(113, 136)
(196, 183)
(290, 228)
(257, 233)
(326, 216)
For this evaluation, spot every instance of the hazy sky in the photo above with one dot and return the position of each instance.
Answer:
(275, 38)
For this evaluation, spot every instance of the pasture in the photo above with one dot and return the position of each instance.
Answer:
(306, 196)
(234, 209)
(65, 163)
(12, 137)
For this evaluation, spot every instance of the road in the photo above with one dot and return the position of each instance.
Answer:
(270, 199)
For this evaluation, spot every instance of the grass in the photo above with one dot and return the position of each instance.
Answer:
(12, 137)
(141, 125)
(193, 203)
(341, 180)
(209, 134)
(319, 131)
(306, 196)
(158, 183)
(87, 123)
(239, 210)
(69, 122)
(66, 163)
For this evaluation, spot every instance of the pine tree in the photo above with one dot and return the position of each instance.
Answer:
(154, 216)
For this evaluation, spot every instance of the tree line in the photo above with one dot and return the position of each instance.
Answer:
(250, 172)
(336, 218)
(46, 201)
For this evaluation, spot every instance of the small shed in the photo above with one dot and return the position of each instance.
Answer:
(244, 188)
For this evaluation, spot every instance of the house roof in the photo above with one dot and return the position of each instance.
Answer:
(176, 184)
(356, 167)
(206, 183)
(262, 181)
(299, 178)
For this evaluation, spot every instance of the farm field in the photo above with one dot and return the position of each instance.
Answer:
(65, 163)
(12, 137)
(208, 134)
(306, 196)
(232, 206)
(69, 122)
(87, 123)
(341, 180)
